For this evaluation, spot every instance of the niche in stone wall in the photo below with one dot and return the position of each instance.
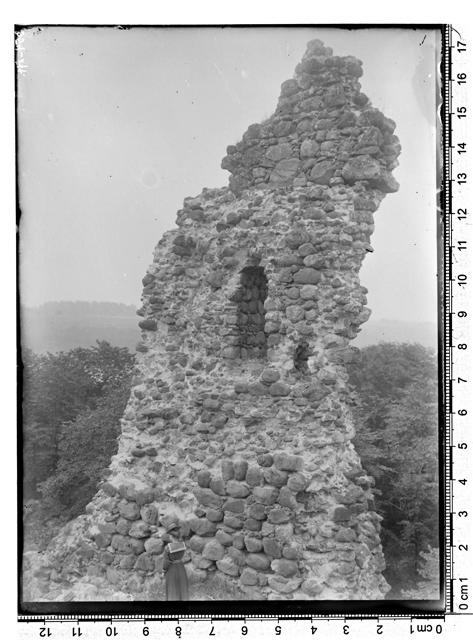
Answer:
(251, 313)
(301, 357)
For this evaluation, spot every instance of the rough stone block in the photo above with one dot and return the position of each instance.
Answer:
(295, 313)
(258, 561)
(308, 149)
(145, 562)
(102, 540)
(312, 587)
(228, 566)
(282, 584)
(279, 389)
(266, 495)
(213, 550)
(285, 170)
(127, 562)
(340, 514)
(123, 526)
(270, 375)
(196, 543)
(240, 467)
(224, 538)
(254, 476)
(322, 172)
(237, 556)
(307, 275)
(297, 482)
(253, 545)
(286, 568)
(309, 292)
(290, 551)
(214, 515)
(217, 485)
(208, 498)
(272, 547)
(238, 541)
(145, 496)
(279, 152)
(129, 510)
(286, 499)
(249, 577)
(232, 521)
(227, 470)
(275, 476)
(237, 489)
(278, 516)
(202, 526)
(234, 505)
(265, 460)
(345, 535)
(364, 167)
(284, 532)
(287, 462)
(139, 529)
(252, 525)
(148, 324)
(149, 514)
(154, 546)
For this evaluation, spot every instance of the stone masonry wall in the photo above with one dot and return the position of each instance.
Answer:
(238, 425)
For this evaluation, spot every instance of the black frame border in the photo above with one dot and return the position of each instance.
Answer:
(245, 609)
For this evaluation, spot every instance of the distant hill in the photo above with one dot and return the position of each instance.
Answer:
(375, 331)
(61, 326)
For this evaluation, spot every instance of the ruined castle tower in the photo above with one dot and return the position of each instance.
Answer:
(239, 422)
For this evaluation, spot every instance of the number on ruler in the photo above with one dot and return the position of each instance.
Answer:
(461, 112)
(461, 147)
(461, 46)
(461, 78)
(461, 214)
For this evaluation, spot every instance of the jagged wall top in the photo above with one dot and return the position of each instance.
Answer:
(324, 131)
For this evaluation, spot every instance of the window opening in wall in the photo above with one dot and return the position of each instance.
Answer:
(301, 357)
(251, 312)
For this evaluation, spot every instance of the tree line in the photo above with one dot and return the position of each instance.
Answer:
(72, 405)
(397, 440)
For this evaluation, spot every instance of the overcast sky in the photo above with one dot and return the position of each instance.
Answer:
(117, 127)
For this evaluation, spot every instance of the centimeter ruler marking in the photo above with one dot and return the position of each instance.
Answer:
(457, 228)
(448, 332)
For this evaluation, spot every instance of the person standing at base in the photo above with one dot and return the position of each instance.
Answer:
(177, 586)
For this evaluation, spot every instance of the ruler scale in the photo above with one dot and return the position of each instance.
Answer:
(456, 441)
(458, 309)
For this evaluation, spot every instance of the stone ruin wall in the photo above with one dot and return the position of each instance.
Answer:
(239, 421)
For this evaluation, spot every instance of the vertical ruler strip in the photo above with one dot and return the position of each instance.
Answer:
(447, 319)
(459, 310)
